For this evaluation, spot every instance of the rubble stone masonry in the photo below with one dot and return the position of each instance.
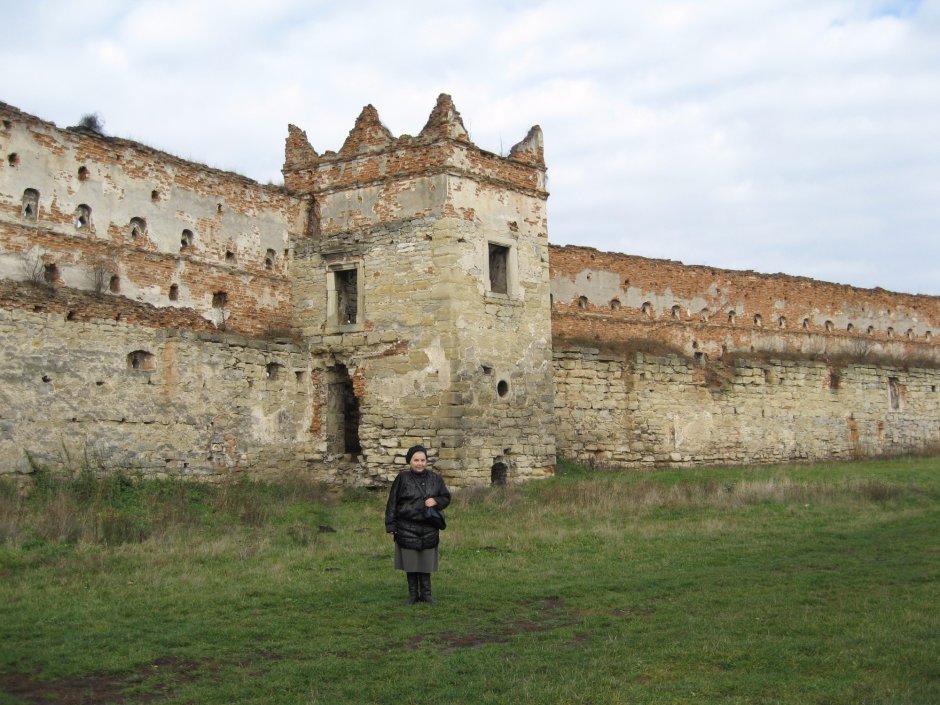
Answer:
(181, 320)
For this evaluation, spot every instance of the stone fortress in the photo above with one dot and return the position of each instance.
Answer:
(162, 315)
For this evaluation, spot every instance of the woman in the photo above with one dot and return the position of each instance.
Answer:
(415, 539)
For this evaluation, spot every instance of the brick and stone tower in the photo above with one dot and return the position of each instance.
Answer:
(422, 283)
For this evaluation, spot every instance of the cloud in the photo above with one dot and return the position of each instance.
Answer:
(790, 135)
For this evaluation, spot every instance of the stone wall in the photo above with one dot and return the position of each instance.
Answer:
(636, 409)
(93, 212)
(164, 401)
(600, 297)
(162, 315)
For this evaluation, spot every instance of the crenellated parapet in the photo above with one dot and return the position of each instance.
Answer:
(371, 155)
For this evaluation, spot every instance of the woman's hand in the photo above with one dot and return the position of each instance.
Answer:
(430, 502)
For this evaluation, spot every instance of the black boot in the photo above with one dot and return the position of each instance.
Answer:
(413, 585)
(426, 589)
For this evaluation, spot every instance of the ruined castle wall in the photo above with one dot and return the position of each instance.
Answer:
(608, 297)
(163, 401)
(100, 213)
(642, 410)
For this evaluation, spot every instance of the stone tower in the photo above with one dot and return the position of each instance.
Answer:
(422, 290)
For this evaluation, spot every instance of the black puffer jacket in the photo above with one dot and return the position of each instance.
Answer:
(404, 512)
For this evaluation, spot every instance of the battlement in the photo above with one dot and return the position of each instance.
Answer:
(371, 155)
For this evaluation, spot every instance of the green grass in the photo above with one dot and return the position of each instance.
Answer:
(785, 584)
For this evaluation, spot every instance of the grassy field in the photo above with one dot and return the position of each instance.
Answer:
(787, 584)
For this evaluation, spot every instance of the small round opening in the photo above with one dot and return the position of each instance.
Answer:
(502, 388)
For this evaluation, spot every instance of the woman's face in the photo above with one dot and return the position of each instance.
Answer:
(419, 461)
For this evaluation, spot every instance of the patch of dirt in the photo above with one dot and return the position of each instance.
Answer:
(156, 679)
(550, 614)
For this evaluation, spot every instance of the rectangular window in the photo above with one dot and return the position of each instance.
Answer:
(499, 268)
(347, 296)
(344, 296)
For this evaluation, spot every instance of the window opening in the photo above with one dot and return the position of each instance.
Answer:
(894, 395)
(731, 316)
(347, 296)
(269, 259)
(272, 370)
(647, 308)
(114, 285)
(186, 239)
(83, 173)
(30, 204)
(782, 322)
(582, 302)
(50, 273)
(499, 268)
(174, 292)
(502, 388)
(229, 256)
(676, 312)
(615, 304)
(141, 360)
(498, 474)
(83, 216)
(829, 326)
(155, 195)
(138, 227)
(13, 159)
(219, 299)
(758, 320)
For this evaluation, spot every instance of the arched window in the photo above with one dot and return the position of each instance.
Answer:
(615, 304)
(269, 259)
(758, 320)
(30, 204)
(137, 228)
(141, 360)
(83, 217)
(647, 309)
(186, 239)
(582, 302)
(782, 322)
(676, 312)
(731, 317)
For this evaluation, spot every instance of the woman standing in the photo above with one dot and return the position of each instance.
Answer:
(416, 540)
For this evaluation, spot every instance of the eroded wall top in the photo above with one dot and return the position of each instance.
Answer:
(706, 310)
(373, 160)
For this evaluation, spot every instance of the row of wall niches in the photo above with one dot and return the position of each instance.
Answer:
(136, 228)
(757, 320)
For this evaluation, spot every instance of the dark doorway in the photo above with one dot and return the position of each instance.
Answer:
(342, 426)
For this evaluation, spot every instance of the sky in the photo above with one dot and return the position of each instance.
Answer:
(795, 136)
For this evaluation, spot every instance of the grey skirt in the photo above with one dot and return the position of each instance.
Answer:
(412, 561)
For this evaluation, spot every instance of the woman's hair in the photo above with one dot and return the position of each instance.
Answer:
(413, 450)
